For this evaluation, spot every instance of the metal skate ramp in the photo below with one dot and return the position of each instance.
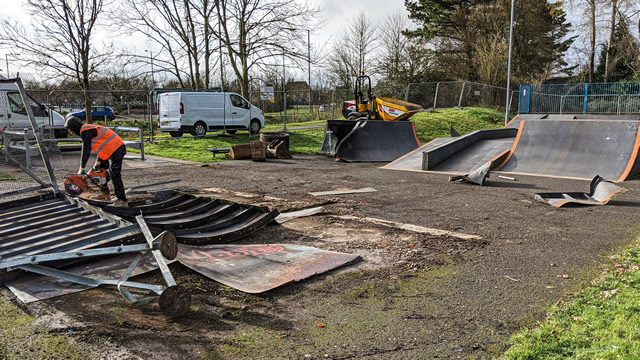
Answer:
(458, 155)
(578, 149)
(369, 140)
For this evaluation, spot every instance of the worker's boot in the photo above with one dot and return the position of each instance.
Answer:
(121, 203)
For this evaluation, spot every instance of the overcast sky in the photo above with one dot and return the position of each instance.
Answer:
(338, 14)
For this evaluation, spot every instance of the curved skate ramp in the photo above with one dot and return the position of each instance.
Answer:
(377, 141)
(576, 148)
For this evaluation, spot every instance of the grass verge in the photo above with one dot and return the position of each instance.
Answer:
(601, 322)
(5, 177)
(21, 339)
(308, 141)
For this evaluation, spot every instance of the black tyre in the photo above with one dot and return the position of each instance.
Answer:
(232, 132)
(175, 134)
(199, 129)
(254, 126)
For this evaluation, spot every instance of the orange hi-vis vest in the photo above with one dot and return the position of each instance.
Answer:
(105, 143)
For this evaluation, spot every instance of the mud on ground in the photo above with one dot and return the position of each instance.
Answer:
(414, 295)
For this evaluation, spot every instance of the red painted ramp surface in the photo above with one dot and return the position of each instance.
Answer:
(576, 148)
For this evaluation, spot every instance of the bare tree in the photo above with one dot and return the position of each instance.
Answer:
(393, 47)
(181, 29)
(254, 31)
(353, 50)
(60, 41)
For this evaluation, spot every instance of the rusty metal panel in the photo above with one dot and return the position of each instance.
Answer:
(259, 268)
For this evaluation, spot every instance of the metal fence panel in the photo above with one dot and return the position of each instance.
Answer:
(28, 152)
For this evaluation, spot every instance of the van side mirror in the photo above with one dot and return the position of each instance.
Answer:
(43, 107)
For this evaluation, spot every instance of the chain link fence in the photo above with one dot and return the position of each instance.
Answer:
(293, 105)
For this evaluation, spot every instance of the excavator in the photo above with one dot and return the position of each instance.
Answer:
(376, 129)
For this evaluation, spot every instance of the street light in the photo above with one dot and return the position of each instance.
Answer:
(309, 65)
(506, 113)
(153, 80)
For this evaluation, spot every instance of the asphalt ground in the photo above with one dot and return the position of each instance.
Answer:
(465, 301)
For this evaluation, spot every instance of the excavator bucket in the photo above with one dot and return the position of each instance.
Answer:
(393, 109)
(369, 140)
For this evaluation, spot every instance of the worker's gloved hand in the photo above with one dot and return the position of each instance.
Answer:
(81, 172)
(97, 167)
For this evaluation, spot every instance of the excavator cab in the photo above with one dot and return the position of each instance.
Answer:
(360, 107)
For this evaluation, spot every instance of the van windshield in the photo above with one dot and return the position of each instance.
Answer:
(17, 106)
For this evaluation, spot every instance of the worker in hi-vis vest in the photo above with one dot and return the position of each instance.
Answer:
(107, 145)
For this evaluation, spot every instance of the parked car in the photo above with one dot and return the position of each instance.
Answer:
(199, 112)
(325, 107)
(97, 113)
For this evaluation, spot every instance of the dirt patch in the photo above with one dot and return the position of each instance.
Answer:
(442, 297)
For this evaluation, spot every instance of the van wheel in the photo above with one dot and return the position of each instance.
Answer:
(175, 133)
(199, 129)
(254, 126)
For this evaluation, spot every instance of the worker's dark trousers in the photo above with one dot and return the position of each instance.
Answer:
(115, 163)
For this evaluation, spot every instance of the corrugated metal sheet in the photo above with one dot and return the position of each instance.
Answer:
(199, 220)
(56, 224)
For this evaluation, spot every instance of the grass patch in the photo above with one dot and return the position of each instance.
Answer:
(259, 341)
(438, 124)
(308, 141)
(6, 177)
(601, 322)
(20, 339)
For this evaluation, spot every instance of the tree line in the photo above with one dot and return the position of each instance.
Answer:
(240, 44)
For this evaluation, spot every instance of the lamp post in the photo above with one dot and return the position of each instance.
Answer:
(309, 65)
(506, 113)
(153, 80)
(6, 59)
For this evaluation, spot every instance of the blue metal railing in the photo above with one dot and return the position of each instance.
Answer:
(603, 98)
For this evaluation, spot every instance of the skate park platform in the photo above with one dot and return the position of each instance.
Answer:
(566, 146)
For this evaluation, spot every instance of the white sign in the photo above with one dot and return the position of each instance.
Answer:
(266, 93)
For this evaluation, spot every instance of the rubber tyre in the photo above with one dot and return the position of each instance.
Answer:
(232, 132)
(175, 134)
(199, 129)
(254, 126)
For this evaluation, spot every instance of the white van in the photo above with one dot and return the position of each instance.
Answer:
(13, 114)
(199, 112)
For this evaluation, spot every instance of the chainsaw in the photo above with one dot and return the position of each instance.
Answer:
(90, 182)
